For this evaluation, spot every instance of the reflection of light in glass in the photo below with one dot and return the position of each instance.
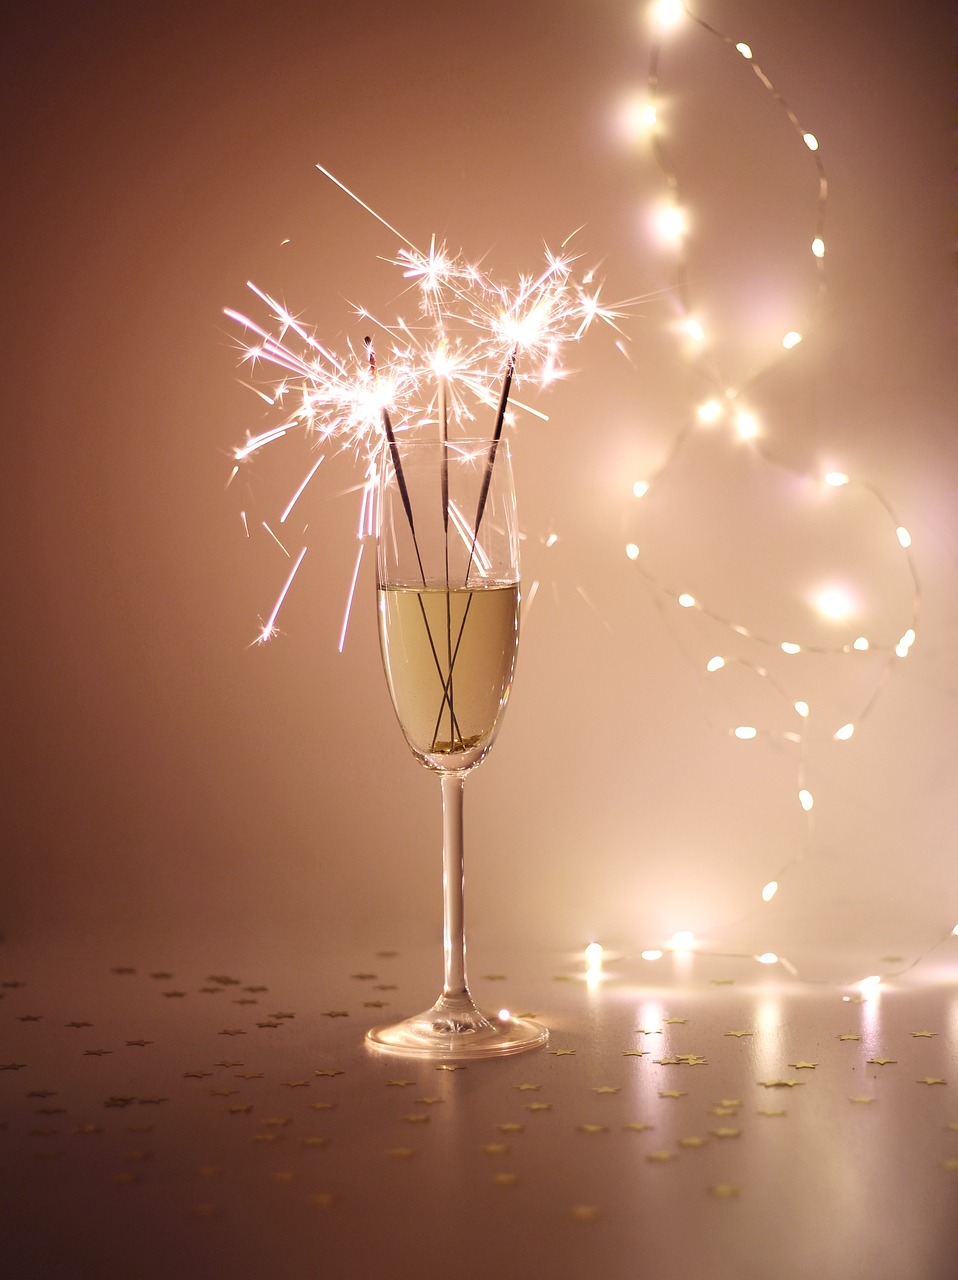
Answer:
(767, 957)
(746, 426)
(845, 732)
(833, 603)
(668, 13)
(861, 644)
(632, 551)
(652, 954)
(682, 940)
(810, 141)
(715, 664)
(802, 708)
(955, 930)
(806, 800)
(903, 536)
(686, 601)
(745, 731)
(818, 247)
(744, 50)
(770, 890)
(505, 1015)
(905, 643)
(671, 224)
(694, 330)
(791, 339)
(789, 646)
(766, 1043)
(710, 411)
(593, 964)
(640, 488)
(836, 479)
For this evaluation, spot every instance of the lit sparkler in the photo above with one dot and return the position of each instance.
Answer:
(462, 356)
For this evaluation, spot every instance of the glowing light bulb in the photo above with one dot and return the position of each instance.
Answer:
(682, 939)
(744, 50)
(745, 731)
(767, 957)
(672, 224)
(818, 247)
(593, 955)
(632, 551)
(711, 411)
(844, 733)
(649, 116)
(694, 329)
(652, 954)
(836, 479)
(805, 800)
(833, 603)
(791, 339)
(769, 891)
(905, 643)
(686, 601)
(640, 488)
(788, 646)
(802, 708)
(903, 536)
(861, 644)
(746, 426)
(810, 141)
(715, 664)
(668, 13)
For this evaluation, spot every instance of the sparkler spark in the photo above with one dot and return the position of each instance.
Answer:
(460, 357)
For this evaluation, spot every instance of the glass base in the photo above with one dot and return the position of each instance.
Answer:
(455, 1028)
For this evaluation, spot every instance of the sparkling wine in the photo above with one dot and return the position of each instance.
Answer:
(449, 657)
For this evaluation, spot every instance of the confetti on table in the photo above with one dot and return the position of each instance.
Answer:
(882, 1062)
(562, 1053)
(335, 1013)
(672, 1093)
(164, 977)
(375, 1004)
(606, 1088)
(417, 1118)
(96, 1053)
(525, 1088)
(29, 1017)
(450, 1066)
(803, 1066)
(693, 1142)
(637, 1126)
(505, 1179)
(196, 1075)
(314, 1141)
(223, 980)
(364, 977)
(276, 1122)
(848, 1035)
(635, 1053)
(320, 1199)
(692, 1060)
(771, 1111)
(87, 1129)
(283, 1013)
(153, 1101)
(673, 1020)
(295, 1084)
(272, 1024)
(174, 995)
(584, 1212)
(660, 1157)
(78, 1025)
(223, 1093)
(335, 1071)
(593, 1128)
(228, 1063)
(241, 1109)
(727, 1133)
(138, 1044)
(256, 990)
(429, 1102)
(950, 1164)
(725, 1191)
(932, 1080)
(780, 1084)
(120, 1100)
(249, 1075)
(952, 1125)
(325, 1106)
(42, 1093)
(861, 1098)
(12, 1066)
(494, 1148)
(510, 1126)
(739, 1034)
(397, 1084)
(667, 1062)
(648, 1031)
(400, 1153)
(926, 1035)
(729, 1102)
(538, 1106)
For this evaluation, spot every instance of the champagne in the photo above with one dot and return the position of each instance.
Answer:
(449, 657)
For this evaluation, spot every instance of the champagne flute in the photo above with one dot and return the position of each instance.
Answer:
(448, 598)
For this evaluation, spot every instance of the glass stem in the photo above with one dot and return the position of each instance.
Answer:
(453, 931)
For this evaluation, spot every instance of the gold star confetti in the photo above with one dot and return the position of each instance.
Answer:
(672, 1093)
(593, 1128)
(848, 1035)
(144, 1102)
(853, 999)
(256, 990)
(951, 1165)
(249, 1075)
(952, 1125)
(727, 1133)
(584, 1212)
(229, 1063)
(196, 1075)
(693, 1060)
(283, 1176)
(164, 977)
(78, 1025)
(174, 995)
(882, 1062)
(325, 1106)
(692, 1142)
(637, 1126)
(722, 982)
(400, 1153)
(648, 1031)
(416, 1119)
(385, 986)
(562, 1053)
(923, 1035)
(450, 1066)
(494, 1148)
(232, 1031)
(96, 1053)
(321, 1199)
(335, 1013)
(526, 1088)
(606, 1088)
(295, 1084)
(429, 1102)
(723, 1111)
(725, 1191)
(398, 1084)
(266, 1137)
(494, 977)
(283, 1013)
(125, 969)
(43, 1133)
(125, 1177)
(241, 1109)
(119, 1100)
(770, 1111)
(87, 1129)
(246, 1000)
(364, 977)
(42, 1093)
(138, 1044)
(223, 1093)
(799, 1066)
(673, 1020)
(314, 1141)
(932, 1080)
(661, 1157)
(861, 1099)
(59, 1111)
(635, 1053)
(29, 1017)
(211, 991)
(271, 1026)
(505, 1179)
(667, 1062)
(538, 1106)
(277, 1122)
(375, 1004)
(12, 1066)
(223, 980)
(329, 1072)
(510, 1126)
(729, 1102)
(739, 1034)
(780, 1084)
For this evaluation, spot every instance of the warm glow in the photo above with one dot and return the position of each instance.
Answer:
(836, 479)
(552, 539)
(686, 601)
(801, 708)
(671, 224)
(668, 13)
(844, 733)
(770, 890)
(767, 957)
(710, 411)
(955, 930)
(694, 329)
(818, 247)
(632, 551)
(715, 664)
(746, 731)
(833, 603)
(654, 954)
(873, 981)
(746, 426)
(791, 339)
(505, 1015)
(640, 488)
(744, 50)
(682, 939)
(904, 537)
(593, 955)
(861, 644)
(805, 800)
(905, 643)
(788, 646)
(810, 141)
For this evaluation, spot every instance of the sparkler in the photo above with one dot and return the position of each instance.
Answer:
(461, 357)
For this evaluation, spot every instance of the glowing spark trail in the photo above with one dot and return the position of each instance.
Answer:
(269, 627)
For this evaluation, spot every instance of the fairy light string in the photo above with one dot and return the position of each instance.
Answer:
(727, 406)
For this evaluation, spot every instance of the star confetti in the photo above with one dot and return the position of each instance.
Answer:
(96, 1053)
(510, 1126)
(229, 1063)
(692, 1142)
(606, 1088)
(417, 1118)
(848, 1035)
(923, 1035)
(494, 1148)
(771, 1111)
(725, 1191)
(429, 1102)
(174, 995)
(584, 1212)
(660, 1157)
(335, 1071)
(882, 1062)
(673, 1020)
(241, 1109)
(400, 1153)
(77, 1025)
(335, 1013)
(593, 1128)
(526, 1088)
(727, 1133)
(321, 1199)
(562, 1053)
(249, 1075)
(538, 1106)
(932, 1080)
(398, 1084)
(450, 1066)
(739, 1034)
(196, 1075)
(672, 1093)
(799, 1066)
(295, 1084)
(314, 1141)
(637, 1126)
(138, 1044)
(780, 1084)
(635, 1053)
(12, 1066)
(505, 1179)
(861, 1099)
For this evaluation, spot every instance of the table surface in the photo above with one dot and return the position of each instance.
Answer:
(699, 1115)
